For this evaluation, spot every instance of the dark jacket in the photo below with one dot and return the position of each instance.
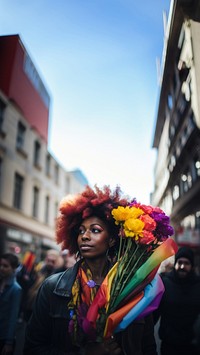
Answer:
(9, 310)
(47, 330)
(178, 309)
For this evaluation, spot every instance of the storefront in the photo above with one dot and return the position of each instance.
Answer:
(19, 241)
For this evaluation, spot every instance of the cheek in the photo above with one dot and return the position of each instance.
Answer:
(104, 242)
(7, 270)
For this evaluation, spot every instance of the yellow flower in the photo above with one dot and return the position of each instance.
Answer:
(124, 213)
(133, 227)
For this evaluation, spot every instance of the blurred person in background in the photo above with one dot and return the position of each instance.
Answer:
(50, 263)
(180, 306)
(68, 260)
(196, 340)
(25, 275)
(10, 298)
(43, 270)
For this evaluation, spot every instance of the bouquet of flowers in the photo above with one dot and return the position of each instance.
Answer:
(132, 288)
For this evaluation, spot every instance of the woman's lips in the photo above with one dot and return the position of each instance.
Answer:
(85, 247)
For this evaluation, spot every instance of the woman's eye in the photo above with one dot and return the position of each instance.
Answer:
(81, 231)
(96, 230)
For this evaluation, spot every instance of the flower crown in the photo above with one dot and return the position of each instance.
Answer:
(144, 223)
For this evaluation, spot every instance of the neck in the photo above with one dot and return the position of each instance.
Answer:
(99, 269)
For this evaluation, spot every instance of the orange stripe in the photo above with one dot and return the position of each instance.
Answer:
(115, 318)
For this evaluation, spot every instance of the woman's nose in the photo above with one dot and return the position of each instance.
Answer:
(86, 234)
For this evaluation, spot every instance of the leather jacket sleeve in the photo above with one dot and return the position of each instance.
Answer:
(46, 332)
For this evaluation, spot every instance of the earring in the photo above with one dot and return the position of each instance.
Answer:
(78, 255)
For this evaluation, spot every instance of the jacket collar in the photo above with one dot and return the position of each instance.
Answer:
(66, 280)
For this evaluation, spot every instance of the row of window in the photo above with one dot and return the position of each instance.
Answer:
(184, 182)
(20, 141)
(20, 144)
(178, 147)
(187, 178)
(18, 198)
(180, 89)
(176, 119)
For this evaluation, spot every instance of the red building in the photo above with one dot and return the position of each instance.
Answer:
(21, 83)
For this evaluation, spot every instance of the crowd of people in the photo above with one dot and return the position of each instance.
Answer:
(19, 284)
(48, 296)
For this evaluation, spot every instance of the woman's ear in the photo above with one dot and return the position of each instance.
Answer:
(111, 242)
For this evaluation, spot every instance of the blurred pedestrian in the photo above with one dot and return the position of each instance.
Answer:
(10, 297)
(45, 268)
(25, 275)
(68, 260)
(196, 340)
(180, 306)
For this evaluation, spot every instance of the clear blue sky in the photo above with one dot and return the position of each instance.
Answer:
(98, 61)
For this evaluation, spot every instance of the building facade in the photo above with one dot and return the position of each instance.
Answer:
(177, 131)
(32, 182)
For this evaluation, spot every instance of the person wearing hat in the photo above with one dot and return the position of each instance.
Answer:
(179, 307)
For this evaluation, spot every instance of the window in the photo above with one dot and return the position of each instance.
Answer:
(67, 185)
(186, 181)
(48, 163)
(170, 101)
(37, 149)
(2, 109)
(56, 209)
(171, 131)
(197, 165)
(172, 163)
(35, 201)
(197, 220)
(46, 217)
(189, 179)
(176, 192)
(21, 130)
(56, 174)
(181, 104)
(18, 191)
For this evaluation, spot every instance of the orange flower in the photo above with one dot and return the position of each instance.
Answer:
(149, 222)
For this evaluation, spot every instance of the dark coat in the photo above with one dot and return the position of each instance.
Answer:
(179, 308)
(47, 330)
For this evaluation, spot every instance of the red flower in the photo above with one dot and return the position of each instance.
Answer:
(147, 238)
(149, 222)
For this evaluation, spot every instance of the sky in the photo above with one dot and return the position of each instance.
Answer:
(97, 59)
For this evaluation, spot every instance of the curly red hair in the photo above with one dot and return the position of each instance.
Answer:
(91, 202)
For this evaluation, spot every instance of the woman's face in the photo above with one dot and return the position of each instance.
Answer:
(93, 238)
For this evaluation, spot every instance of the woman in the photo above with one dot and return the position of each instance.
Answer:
(86, 226)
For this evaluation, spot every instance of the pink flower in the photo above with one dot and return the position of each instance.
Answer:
(147, 209)
(147, 238)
